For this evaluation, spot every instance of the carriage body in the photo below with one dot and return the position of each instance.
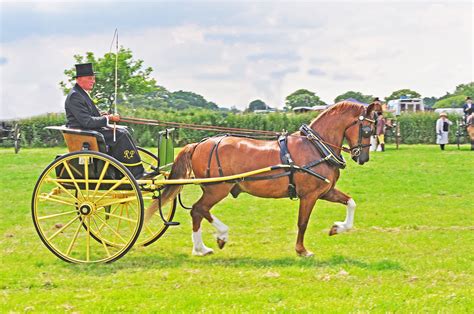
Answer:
(10, 132)
(465, 131)
(87, 207)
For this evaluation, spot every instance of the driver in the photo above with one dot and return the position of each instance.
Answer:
(82, 113)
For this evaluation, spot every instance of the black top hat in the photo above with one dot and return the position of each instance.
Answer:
(84, 69)
(376, 99)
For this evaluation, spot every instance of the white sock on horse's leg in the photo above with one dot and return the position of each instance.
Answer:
(350, 211)
(348, 223)
(222, 229)
(199, 248)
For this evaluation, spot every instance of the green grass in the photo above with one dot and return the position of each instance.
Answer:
(411, 249)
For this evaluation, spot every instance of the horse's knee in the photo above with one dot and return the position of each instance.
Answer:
(351, 204)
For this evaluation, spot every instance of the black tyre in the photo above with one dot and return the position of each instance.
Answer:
(69, 208)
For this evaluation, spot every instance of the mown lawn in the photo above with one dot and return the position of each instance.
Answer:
(411, 249)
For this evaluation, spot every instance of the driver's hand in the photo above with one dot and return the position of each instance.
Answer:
(113, 118)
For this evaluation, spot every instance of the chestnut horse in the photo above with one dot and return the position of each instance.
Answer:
(470, 129)
(237, 155)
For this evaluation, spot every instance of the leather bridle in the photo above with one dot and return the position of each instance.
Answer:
(365, 131)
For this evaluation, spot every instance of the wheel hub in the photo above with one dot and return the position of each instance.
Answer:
(86, 209)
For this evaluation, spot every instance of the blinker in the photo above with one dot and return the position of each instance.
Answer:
(366, 131)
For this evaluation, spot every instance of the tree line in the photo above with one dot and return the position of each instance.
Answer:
(415, 128)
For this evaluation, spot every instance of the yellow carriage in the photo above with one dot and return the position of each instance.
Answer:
(87, 207)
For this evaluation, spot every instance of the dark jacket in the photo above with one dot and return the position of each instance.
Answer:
(81, 111)
(468, 109)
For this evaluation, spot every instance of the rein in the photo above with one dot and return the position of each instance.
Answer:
(257, 133)
(344, 148)
(327, 153)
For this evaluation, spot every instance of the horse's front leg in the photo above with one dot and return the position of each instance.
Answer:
(337, 196)
(306, 207)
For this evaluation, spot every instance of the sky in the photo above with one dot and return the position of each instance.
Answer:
(235, 52)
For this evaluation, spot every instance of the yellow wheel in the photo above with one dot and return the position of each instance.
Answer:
(87, 208)
(155, 227)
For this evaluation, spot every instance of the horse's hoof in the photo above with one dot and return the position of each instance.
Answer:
(333, 230)
(305, 254)
(208, 252)
(221, 243)
(203, 253)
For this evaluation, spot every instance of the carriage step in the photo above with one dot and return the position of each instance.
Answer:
(172, 223)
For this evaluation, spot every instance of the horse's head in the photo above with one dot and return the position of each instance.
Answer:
(360, 130)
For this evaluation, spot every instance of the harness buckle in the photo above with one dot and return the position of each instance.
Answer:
(292, 192)
(356, 152)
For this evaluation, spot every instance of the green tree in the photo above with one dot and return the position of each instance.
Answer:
(429, 101)
(454, 101)
(132, 78)
(465, 89)
(355, 95)
(157, 99)
(180, 98)
(403, 92)
(257, 104)
(302, 98)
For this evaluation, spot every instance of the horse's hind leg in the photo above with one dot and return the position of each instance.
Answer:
(337, 196)
(222, 231)
(210, 197)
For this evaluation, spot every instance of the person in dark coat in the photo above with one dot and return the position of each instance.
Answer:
(82, 113)
(468, 107)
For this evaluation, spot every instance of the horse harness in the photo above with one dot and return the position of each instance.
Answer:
(327, 155)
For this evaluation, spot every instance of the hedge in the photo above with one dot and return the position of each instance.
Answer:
(415, 128)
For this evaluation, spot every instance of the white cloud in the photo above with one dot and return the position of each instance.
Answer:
(267, 52)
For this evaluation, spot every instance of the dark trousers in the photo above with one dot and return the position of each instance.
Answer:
(124, 150)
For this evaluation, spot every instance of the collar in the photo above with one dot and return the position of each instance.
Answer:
(83, 91)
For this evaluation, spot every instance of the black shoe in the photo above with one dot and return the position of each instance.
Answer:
(147, 175)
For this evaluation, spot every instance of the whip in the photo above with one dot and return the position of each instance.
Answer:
(116, 77)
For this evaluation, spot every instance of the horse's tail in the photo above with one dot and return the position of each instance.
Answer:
(181, 169)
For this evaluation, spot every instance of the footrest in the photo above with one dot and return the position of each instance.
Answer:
(172, 223)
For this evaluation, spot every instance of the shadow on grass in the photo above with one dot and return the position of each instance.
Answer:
(186, 261)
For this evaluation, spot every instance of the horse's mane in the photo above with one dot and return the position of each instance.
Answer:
(338, 109)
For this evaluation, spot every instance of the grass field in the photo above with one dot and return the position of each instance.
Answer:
(411, 249)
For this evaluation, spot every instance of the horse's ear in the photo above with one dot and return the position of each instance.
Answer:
(374, 107)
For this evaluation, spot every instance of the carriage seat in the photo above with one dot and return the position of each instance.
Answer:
(80, 139)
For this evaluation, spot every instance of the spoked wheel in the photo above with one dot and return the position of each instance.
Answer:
(155, 227)
(458, 139)
(16, 138)
(87, 208)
